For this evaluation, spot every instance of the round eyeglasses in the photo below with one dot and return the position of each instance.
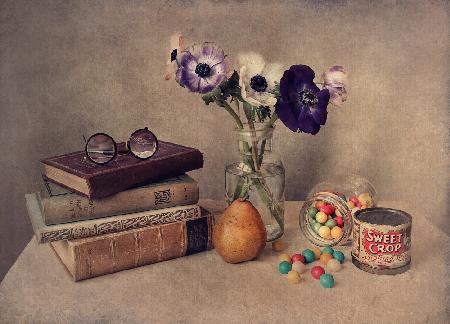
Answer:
(101, 148)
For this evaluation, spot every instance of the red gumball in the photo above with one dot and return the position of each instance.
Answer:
(317, 271)
(298, 257)
(327, 209)
(339, 221)
(354, 200)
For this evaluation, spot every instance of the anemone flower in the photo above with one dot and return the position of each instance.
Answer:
(257, 79)
(202, 67)
(336, 81)
(177, 44)
(302, 106)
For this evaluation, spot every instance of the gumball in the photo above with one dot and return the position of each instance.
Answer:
(333, 266)
(330, 223)
(328, 249)
(336, 232)
(284, 267)
(320, 204)
(326, 280)
(366, 200)
(338, 213)
(339, 221)
(354, 200)
(316, 252)
(325, 257)
(327, 209)
(338, 255)
(299, 267)
(279, 245)
(317, 271)
(298, 257)
(321, 217)
(325, 232)
(293, 277)
(309, 255)
(312, 211)
(316, 227)
(285, 257)
(350, 204)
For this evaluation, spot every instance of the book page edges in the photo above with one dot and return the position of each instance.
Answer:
(67, 179)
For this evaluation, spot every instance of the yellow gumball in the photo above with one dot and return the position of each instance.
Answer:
(324, 231)
(324, 258)
(284, 257)
(350, 204)
(293, 277)
(366, 200)
(321, 217)
(336, 232)
(317, 252)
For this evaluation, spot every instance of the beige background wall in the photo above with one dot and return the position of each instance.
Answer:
(69, 68)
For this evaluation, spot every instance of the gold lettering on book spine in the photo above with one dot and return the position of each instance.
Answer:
(121, 225)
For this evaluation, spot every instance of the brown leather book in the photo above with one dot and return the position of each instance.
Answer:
(75, 171)
(95, 256)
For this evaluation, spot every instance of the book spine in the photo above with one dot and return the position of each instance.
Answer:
(118, 223)
(73, 207)
(128, 250)
(105, 184)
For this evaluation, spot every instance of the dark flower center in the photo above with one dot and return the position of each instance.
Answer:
(258, 83)
(308, 98)
(203, 70)
(173, 55)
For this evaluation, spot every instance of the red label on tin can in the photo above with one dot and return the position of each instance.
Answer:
(378, 243)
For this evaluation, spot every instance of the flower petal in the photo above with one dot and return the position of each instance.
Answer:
(288, 114)
(273, 73)
(253, 62)
(319, 111)
(188, 79)
(210, 54)
(187, 60)
(306, 123)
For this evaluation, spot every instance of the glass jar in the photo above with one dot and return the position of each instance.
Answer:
(332, 204)
(258, 176)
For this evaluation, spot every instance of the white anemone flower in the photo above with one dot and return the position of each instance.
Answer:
(257, 79)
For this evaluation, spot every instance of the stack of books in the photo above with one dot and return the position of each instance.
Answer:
(101, 219)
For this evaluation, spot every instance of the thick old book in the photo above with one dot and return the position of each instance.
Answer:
(95, 256)
(78, 173)
(66, 206)
(48, 233)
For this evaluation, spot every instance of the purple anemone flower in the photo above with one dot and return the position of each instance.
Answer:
(202, 67)
(302, 106)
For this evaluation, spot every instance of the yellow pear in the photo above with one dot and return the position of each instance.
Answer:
(240, 234)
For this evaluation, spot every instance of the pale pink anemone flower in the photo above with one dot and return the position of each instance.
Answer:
(336, 81)
(177, 45)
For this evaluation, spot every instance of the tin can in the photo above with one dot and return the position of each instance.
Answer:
(382, 240)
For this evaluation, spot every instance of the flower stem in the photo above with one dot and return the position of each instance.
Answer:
(233, 114)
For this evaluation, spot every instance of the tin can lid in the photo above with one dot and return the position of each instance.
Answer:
(383, 216)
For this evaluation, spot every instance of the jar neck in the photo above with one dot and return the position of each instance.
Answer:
(261, 135)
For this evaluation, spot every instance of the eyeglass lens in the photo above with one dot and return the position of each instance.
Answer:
(101, 148)
(143, 143)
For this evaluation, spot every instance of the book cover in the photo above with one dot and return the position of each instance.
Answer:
(62, 206)
(95, 256)
(78, 173)
(48, 233)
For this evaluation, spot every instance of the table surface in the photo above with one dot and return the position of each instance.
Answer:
(202, 288)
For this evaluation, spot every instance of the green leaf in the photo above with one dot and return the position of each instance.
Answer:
(231, 86)
(276, 90)
(263, 112)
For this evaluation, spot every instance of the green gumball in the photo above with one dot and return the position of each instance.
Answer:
(284, 267)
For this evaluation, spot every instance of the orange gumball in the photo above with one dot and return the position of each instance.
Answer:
(325, 257)
(320, 204)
